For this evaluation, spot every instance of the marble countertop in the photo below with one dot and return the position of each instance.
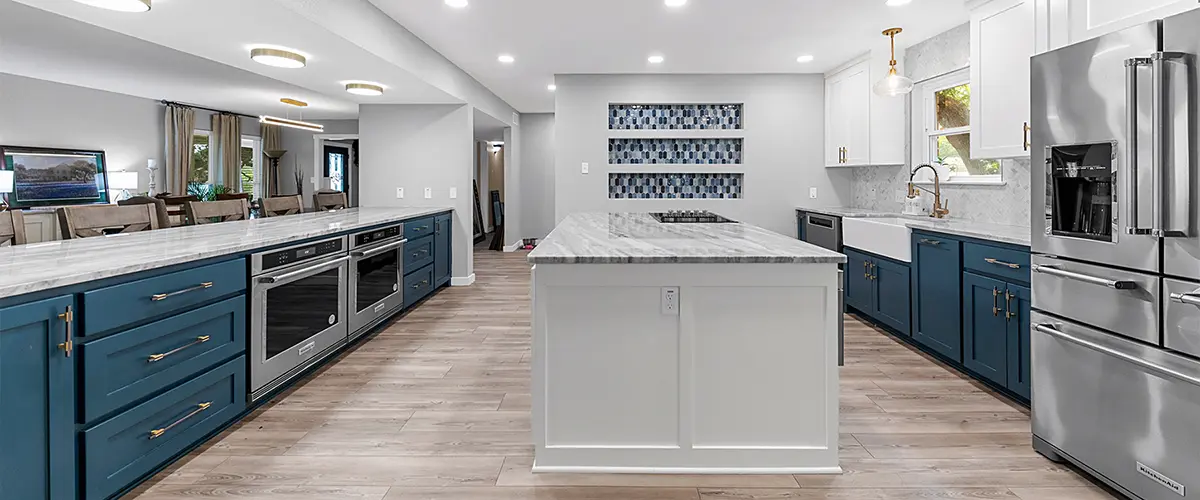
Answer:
(636, 238)
(1003, 233)
(42, 266)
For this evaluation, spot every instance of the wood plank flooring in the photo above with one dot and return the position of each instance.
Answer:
(437, 407)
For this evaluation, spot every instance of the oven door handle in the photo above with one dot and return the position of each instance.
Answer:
(300, 272)
(1161, 370)
(378, 250)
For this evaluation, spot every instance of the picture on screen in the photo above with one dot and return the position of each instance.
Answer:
(56, 177)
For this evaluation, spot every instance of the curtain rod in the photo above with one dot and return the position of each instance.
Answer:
(173, 103)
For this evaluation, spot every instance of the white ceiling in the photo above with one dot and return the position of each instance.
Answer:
(221, 31)
(550, 37)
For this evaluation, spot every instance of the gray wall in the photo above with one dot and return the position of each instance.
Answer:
(784, 140)
(41, 113)
(882, 188)
(419, 146)
(537, 174)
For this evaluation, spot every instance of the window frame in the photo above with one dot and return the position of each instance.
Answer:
(256, 183)
(208, 135)
(925, 132)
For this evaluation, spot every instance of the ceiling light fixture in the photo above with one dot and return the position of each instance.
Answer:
(675, 3)
(506, 59)
(458, 4)
(897, 3)
(894, 84)
(278, 58)
(119, 5)
(804, 59)
(552, 87)
(655, 59)
(363, 88)
(284, 122)
(294, 102)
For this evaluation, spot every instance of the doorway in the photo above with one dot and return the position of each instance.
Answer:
(335, 164)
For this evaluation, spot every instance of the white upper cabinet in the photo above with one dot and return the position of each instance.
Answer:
(1064, 22)
(862, 128)
(1002, 41)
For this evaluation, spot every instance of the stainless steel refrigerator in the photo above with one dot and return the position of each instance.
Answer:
(1116, 265)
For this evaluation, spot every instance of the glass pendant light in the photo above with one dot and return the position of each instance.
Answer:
(894, 84)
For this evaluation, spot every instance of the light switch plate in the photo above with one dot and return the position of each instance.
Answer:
(400, 192)
(453, 193)
(585, 167)
(812, 193)
(428, 193)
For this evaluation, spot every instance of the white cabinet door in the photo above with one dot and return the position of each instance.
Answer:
(1091, 18)
(835, 127)
(1002, 41)
(856, 106)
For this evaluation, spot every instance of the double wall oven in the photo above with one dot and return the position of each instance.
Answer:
(1116, 272)
(376, 276)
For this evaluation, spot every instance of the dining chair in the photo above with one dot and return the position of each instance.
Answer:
(329, 200)
(160, 208)
(175, 206)
(99, 220)
(206, 212)
(234, 196)
(276, 206)
(12, 228)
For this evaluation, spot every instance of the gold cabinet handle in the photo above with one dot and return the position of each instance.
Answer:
(154, 358)
(995, 308)
(68, 318)
(930, 242)
(1026, 136)
(156, 433)
(1008, 314)
(1009, 265)
(164, 296)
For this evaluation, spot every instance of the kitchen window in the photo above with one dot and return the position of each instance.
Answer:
(941, 114)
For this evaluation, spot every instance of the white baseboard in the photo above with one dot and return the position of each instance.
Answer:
(465, 281)
(513, 247)
(687, 470)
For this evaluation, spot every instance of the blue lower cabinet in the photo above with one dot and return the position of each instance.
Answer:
(37, 400)
(418, 285)
(418, 253)
(1018, 302)
(937, 294)
(860, 292)
(443, 227)
(985, 327)
(111, 307)
(892, 305)
(123, 449)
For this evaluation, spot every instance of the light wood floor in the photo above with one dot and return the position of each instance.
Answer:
(437, 407)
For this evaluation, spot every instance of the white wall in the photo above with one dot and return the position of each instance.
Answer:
(418, 146)
(537, 174)
(41, 113)
(784, 136)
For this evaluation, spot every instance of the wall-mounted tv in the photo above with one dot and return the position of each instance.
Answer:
(55, 177)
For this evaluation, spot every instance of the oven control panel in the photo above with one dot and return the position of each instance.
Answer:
(367, 238)
(286, 257)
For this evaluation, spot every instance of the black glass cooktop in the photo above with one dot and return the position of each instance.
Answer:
(689, 217)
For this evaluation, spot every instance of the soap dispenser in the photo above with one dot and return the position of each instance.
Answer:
(913, 204)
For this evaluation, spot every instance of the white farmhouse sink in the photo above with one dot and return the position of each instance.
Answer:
(886, 236)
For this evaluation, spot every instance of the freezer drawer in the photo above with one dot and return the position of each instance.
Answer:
(1126, 410)
(1181, 316)
(1124, 302)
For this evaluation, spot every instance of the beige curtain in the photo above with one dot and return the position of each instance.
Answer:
(225, 150)
(180, 125)
(272, 140)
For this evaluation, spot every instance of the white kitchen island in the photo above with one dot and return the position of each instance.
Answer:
(683, 348)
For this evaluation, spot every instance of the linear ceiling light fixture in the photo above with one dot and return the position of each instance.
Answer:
(278, 58)
(119, 5)
(284, 122)
(363, 88)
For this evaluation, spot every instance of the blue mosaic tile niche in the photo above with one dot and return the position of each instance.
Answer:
(674, 116)
(675, 151)
(674, 186)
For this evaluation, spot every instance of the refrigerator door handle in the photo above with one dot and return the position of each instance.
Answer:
(1085, 278)
(1131, 140)
(1050, 330)
(1165, 204)
(1191, 298)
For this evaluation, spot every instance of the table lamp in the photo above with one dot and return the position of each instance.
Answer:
(123, 181)
(6, 186)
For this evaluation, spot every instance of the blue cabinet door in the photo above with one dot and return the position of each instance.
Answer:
(37, 401)
(892, 293)
(442, 227)
(859, 286)
(937, 294)
(1019, 300)
(985, 327)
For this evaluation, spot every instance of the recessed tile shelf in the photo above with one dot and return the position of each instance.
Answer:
(674, 116)
(675, 151)
(675, 186)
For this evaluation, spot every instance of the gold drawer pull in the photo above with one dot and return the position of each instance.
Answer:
(164, 296)
(1002, 263)
(156, 433)
(158, 357)
(68, 318)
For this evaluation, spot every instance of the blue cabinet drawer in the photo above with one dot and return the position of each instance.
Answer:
(1007, 263)
(418, 253)
(127, 303)
(128, 366)
(418, 228)
(126, 447)
(417, 285)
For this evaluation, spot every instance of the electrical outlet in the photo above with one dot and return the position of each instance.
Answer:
(585, 167)
(670, 300)
(428, 193)
(812, 193)
(453, 193)
(399, 192)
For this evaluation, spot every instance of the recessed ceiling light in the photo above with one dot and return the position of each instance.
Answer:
(655, 59)
(552, 87)
(278, 58)
(804, 59)
(363, 88)
(119, 5)
(675, 3)
(506, 59)
(458, 4)
(897, 3)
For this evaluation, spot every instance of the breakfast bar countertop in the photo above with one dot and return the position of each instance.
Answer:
(637, 238)
(42, 266)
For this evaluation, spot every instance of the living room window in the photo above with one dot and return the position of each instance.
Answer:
(200, 161)
(942, 132)
(251, 166)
